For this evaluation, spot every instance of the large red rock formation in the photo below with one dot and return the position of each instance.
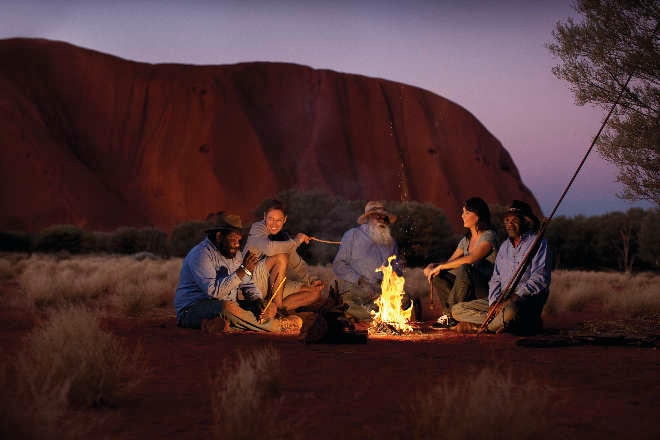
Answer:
(95, 140)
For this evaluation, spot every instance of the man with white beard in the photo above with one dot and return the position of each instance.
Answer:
(363, 249)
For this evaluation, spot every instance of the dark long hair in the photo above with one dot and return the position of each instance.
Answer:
(479, 207)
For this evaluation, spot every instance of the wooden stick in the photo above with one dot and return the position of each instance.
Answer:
(324, 241)
(273, 296)
(431, 290)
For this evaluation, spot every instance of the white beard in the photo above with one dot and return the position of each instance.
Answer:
(379, 233)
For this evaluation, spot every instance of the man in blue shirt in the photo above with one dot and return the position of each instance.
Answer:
(215, 276)
(522, 310)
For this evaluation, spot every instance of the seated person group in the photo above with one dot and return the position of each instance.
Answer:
(264, 285)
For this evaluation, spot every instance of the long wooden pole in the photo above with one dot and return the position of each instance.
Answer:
(498, 305)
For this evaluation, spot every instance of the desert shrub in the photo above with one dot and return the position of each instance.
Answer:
(133, 240)
(485, 405)
(96, 242)
(60, 238)
(422, 233)
(614, 241)
(11, 241)
(71, 354)
(422, 230)
(247, 386)
(185, 236)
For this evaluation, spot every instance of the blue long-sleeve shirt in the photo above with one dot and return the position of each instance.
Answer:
(358, 255)
(536, 278)
(206, 273)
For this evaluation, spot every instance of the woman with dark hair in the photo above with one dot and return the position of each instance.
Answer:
(465, 275)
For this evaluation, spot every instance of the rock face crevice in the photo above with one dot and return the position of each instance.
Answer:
(102, 142)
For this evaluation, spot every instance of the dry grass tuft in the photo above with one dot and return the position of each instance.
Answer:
(71, 352)
(26, 413)
(246, 388)
(491, 403)
(134, 286)
(68, 363)
(613, 292)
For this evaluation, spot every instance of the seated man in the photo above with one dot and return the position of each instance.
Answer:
(267, 238)
(364, 249)
(215, 276)
(522, 310)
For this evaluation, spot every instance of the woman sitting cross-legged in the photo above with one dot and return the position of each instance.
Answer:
(465, 275)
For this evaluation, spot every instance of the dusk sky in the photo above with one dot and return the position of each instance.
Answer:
(487, 56)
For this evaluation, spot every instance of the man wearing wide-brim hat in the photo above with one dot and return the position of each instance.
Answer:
(214, 275)
(522, 311)
(363, 249)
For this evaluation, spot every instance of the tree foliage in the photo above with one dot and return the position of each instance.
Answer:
(617, 240)
(614, 40)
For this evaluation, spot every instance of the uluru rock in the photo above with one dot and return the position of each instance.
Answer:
(91, 139)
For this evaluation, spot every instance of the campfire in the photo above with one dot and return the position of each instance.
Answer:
(390, 317)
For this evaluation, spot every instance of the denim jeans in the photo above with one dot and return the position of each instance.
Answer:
(192, 316)
(238, 318)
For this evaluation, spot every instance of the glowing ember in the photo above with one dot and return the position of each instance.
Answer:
(390, 314)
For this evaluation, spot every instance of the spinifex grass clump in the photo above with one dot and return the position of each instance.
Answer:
(612, 292)
(67, 363)
(244, 395)
(71, 352)
(134, 286)
(487, 404)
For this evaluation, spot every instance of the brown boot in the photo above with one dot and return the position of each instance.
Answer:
(214, 326)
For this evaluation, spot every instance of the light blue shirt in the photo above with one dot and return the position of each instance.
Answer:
(358, 255)
(536, 277)
(206, 273)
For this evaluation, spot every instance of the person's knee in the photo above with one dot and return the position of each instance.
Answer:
(277, 261)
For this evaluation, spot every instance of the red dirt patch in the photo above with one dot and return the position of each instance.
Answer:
(357, 391)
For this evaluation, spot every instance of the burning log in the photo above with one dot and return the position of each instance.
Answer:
(391, 318)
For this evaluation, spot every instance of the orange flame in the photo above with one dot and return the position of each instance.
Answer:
(389, 302)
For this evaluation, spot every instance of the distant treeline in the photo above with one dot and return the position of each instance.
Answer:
(615, 241)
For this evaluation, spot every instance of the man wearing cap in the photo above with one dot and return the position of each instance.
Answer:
(363, 249)
(215, 276)
(522, 311)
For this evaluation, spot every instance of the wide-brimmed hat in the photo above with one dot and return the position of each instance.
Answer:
(523, 210)
(224, 222)
(373, 207)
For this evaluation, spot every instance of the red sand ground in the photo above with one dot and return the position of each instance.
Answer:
(356, 391)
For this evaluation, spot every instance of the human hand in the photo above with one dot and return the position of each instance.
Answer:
(428, 269)
(250, 260)
(302, 238)
(432, 272)
(269, 313)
